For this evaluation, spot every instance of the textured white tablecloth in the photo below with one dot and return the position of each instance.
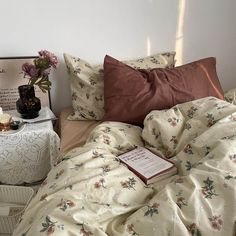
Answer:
(27, 155)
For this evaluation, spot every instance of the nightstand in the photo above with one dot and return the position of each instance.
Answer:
(27, 154)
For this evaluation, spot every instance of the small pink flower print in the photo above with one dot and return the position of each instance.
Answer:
(100, 183)
(188, 149)
(51, 230)
(130, 229)
(106, 169)
(181, 202)
(208, 190)
(59, 174)
(233, 158)
(191, 112)
(153, 209)
(211, 120)
(216, 222)
(83, 232)
(173, 121)
(43, 197)
(192, 228)
(204, 191)
(174, 141)
(233, 118)
(97, 155)
(64, 204)
(129, 184)
(97, 185)
(106, 139)
(48, 226)
(156, 133)
(155, 205)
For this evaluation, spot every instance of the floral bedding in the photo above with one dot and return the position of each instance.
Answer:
(89, 192)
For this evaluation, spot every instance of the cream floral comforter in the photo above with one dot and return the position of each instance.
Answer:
(90, 193)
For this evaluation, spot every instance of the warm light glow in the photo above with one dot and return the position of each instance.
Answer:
(148, 46)
(180, 33)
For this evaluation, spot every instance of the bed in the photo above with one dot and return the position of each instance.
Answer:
(73, 133)
(89, 192)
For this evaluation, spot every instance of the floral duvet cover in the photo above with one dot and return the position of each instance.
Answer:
(91, 193)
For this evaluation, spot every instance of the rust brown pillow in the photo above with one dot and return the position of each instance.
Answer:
(131, 94)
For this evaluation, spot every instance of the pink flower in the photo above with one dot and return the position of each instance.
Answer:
(49, 56)
(215, 225)
(39, 71)
(216, 222)
(155, 205)
(30, 70)
(97, 185)
(130, 228)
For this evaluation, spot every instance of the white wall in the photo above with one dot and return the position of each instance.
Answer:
(122, 28)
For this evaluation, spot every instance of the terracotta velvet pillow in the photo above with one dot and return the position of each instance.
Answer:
(131, 94)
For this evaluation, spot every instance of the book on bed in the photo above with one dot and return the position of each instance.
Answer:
(148, 166)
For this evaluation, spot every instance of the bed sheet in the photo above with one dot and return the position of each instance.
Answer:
(73, 133)
(91, 193)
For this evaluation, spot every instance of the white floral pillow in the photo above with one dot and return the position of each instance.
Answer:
(87, 83)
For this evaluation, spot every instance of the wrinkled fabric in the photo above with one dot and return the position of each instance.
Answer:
(91, 193)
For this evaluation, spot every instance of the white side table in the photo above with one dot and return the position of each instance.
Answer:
(27, 155)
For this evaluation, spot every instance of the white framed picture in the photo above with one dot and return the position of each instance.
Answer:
(11, 77)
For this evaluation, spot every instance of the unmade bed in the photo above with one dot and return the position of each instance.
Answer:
(181, 115)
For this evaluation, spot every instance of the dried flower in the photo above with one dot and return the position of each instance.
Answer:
(38, 73)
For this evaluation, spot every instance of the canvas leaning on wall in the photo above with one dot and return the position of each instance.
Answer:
(11, 77)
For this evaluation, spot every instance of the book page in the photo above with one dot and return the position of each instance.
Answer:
(145, 162)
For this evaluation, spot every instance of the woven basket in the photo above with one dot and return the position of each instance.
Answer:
(16, 195)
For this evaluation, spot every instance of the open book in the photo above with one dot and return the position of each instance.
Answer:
(148, 166)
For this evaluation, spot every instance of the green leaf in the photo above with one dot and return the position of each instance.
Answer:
(45, 225)
(43, 230)
(48, 219)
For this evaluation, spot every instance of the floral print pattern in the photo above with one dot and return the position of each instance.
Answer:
(188, 149)
(173, 121)
(100, 183)
(191, 112)
(208, 190)
(48, 226)
(192, 228)
(129, 184)
(211, 120)
(216, 222)
(153, 209)
(83, 231)
(230, 96)
(233, 158)
(189, 165)
(131, 230)
(65, 204)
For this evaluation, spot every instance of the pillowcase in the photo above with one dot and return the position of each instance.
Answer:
(87, 84)
(131, 94)
(230, 96)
